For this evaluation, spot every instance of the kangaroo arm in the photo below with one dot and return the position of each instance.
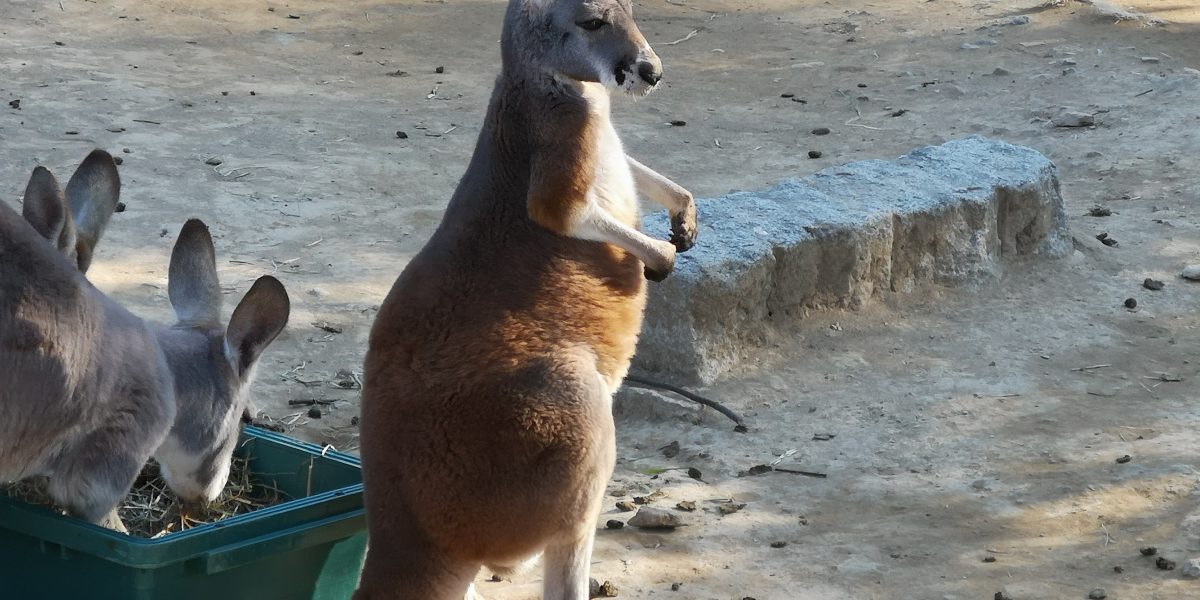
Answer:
(560, 199)
(670, 195)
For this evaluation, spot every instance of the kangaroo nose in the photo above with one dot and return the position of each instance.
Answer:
(649, 73)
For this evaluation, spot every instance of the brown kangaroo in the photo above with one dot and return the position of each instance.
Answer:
(487, 432)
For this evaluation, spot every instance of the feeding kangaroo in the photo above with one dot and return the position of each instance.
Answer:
(88, 391)
(487, 431)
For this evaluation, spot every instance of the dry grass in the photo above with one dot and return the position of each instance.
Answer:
(152, 510)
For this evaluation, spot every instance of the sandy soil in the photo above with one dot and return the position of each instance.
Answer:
(964, 426)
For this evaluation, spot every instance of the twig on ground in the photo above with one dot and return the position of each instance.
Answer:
(713, 404)
(685, 38)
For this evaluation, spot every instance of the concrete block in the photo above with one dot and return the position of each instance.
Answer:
(844, 237)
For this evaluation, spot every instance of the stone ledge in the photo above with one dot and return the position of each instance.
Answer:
(946, 215)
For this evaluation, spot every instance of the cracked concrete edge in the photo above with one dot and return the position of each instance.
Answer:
(949, 215)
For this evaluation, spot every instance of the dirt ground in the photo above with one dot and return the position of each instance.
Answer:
(974, 433)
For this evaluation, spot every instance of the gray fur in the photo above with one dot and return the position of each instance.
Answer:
(92, 194)
(89, 391)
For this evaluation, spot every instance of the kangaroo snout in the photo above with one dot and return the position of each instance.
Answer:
(650, 72)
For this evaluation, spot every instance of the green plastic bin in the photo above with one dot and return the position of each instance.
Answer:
(311, 547)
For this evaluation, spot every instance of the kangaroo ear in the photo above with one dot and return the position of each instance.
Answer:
(92, 193)
(46, 209)
(192, 283)
(256, 321)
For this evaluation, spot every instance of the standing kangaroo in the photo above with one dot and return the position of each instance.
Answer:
(487, 433)
(87, 390)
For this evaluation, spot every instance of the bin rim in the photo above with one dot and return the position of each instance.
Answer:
(46, 524)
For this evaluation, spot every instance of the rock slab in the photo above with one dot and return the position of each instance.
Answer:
(948, 215)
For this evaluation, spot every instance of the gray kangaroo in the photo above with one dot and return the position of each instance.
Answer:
(487, 430)
(88, 391)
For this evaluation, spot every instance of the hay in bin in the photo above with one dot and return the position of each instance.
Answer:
(152, 510)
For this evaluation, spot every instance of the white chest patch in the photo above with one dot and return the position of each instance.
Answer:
(613, 186)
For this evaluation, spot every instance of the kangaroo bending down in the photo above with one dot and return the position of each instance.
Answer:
(88, 391)
(487, 431)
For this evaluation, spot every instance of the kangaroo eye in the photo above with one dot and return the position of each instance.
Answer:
(591, 24)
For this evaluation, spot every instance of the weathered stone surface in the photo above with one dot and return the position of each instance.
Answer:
(843, 237)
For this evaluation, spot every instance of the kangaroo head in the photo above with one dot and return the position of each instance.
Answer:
(583, 40)
(212, 365)
(74, 222)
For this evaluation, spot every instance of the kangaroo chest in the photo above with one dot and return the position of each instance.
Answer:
(613, 186)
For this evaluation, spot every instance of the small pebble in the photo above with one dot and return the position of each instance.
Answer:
(626, 506)
(686, 506)
(989, 559)
(1097, 594)
(728, 508)
(815, 154)
(678, 123)
(1149, 551)
(1150, 59)
(1107, 241)
(71, 132)
(1191, 568)
(675, 586)
(614, 524)
(354, 421)
(440, 70)
(1153, 285)
(779, 544)
(126, 150)
(1099, 211)
(118, 160)
(214, 161)
(1001, 595)
(314, 413)
(1131, 303)
(655, 518)
(1118, 569)
(15, 104)
(601, 590)
(1124, 459)
(821, 131)
(1164, 564)
(1191, 272)
(402, 135)
(120, 205)
(787, 95)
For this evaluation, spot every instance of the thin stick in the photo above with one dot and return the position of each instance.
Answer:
(646, 383)
(1091, 367)
(685, 38)
(1107, 537)
(804, 473)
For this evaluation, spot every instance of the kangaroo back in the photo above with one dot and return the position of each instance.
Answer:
(84, 392)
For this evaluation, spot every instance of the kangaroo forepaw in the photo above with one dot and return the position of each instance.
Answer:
(655, 275)
(683, 229)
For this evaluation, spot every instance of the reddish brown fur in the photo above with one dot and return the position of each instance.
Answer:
(486, 428)
(563, 169)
